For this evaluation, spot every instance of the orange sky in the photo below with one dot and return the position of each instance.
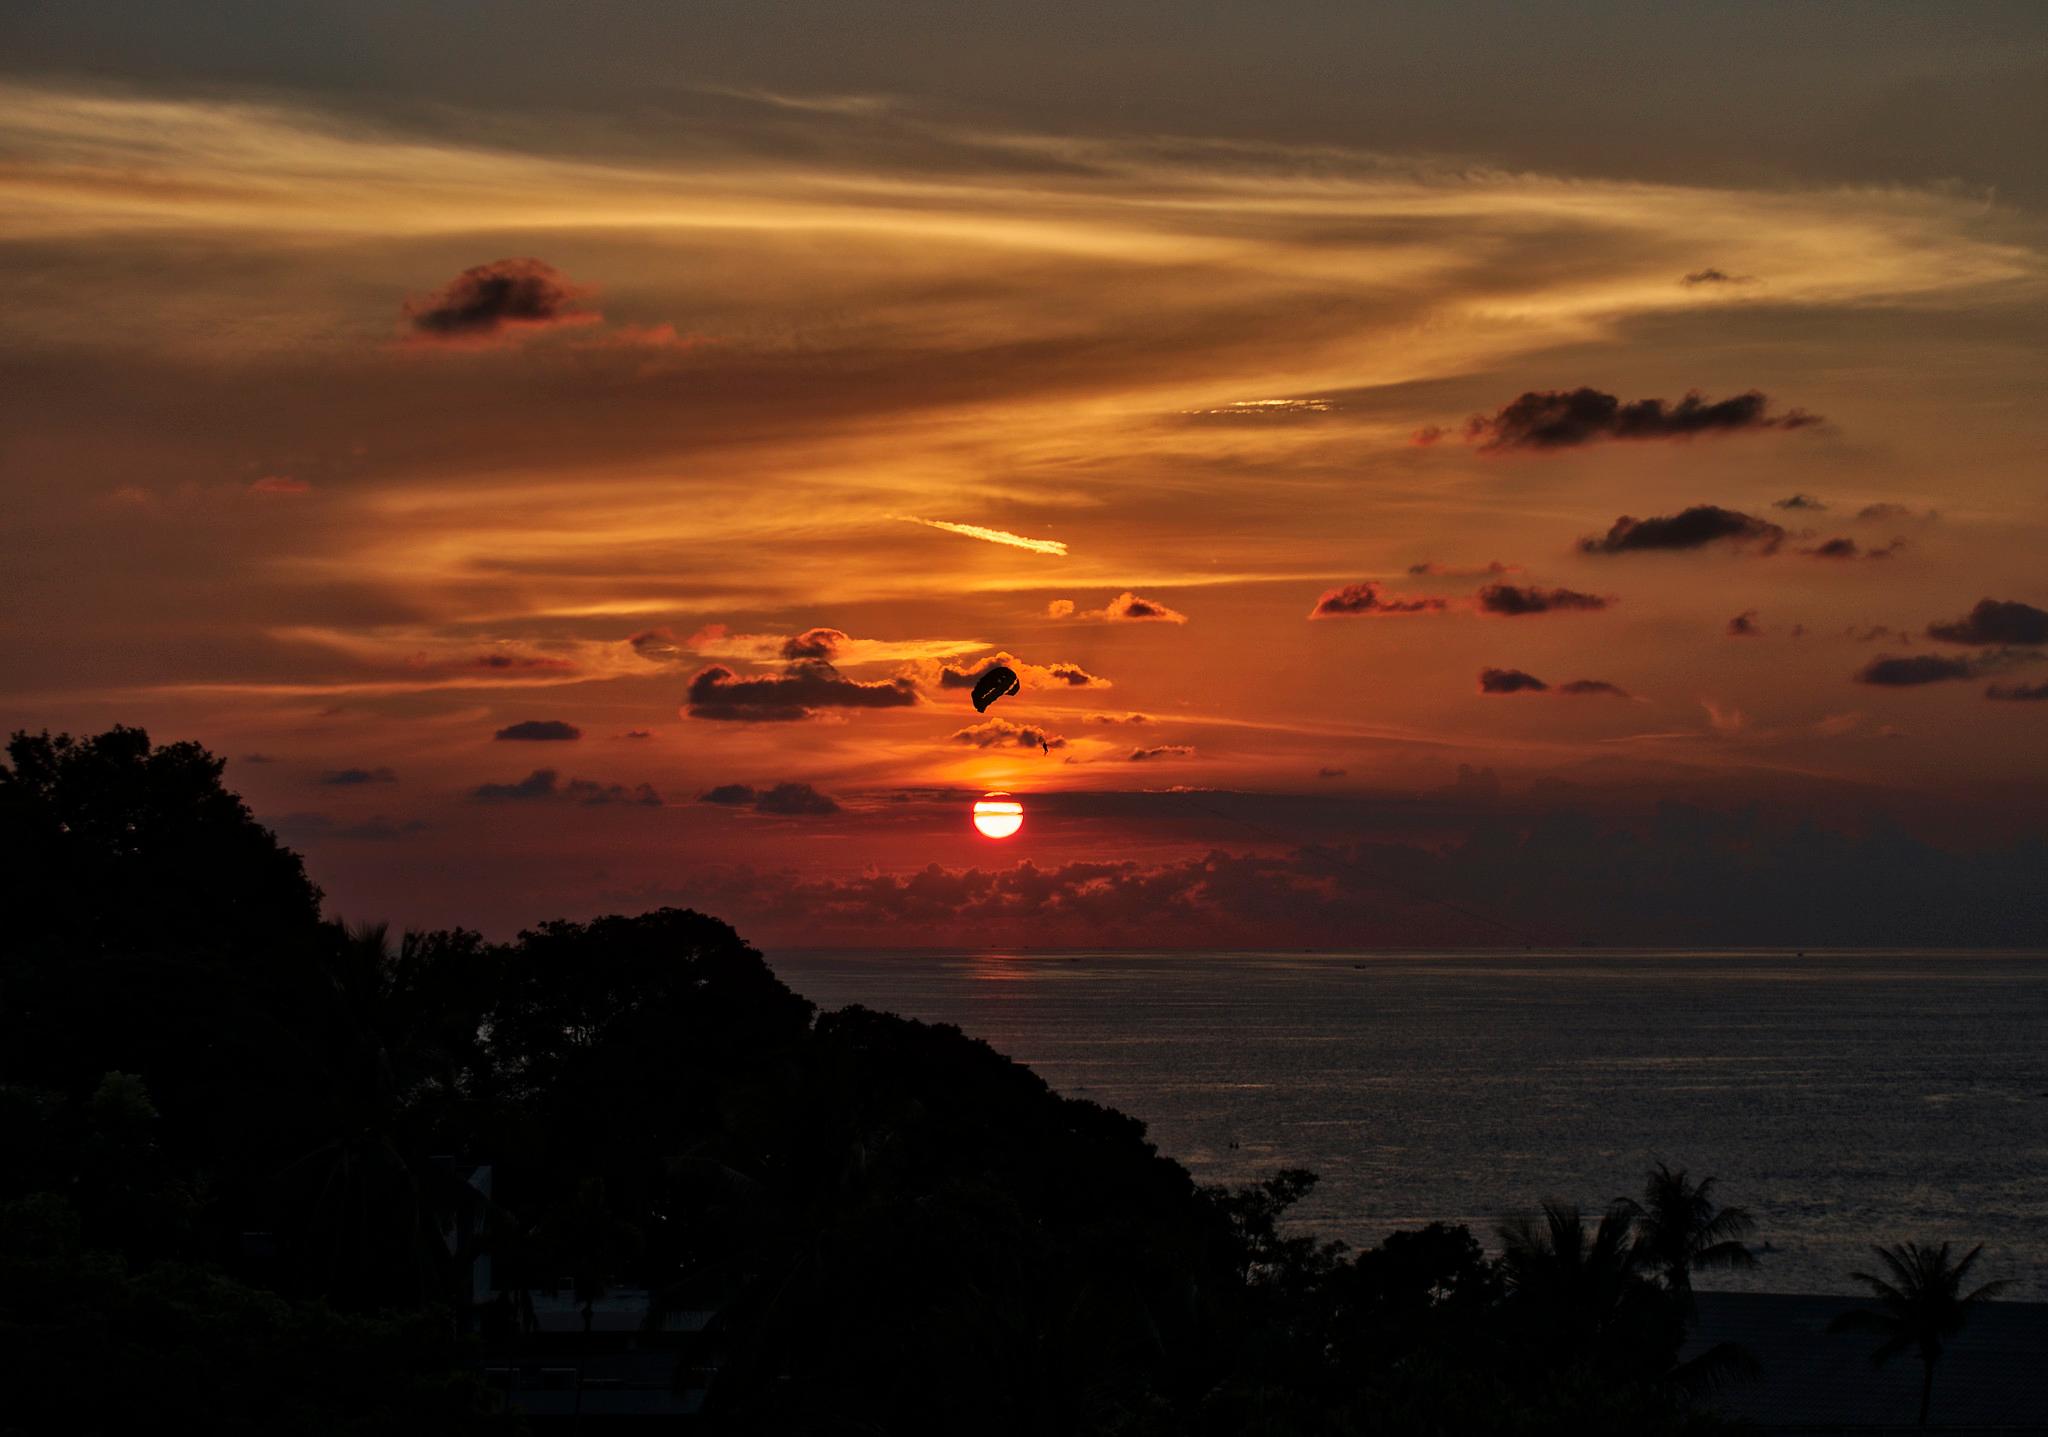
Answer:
(281, 480)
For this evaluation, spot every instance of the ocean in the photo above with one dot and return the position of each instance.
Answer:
(1844, 1098)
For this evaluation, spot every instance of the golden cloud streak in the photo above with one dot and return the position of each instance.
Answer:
(997, 536)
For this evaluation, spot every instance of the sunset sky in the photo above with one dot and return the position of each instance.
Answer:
(565, 458)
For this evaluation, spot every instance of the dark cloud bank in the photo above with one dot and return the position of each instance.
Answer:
(1682, 876)
(1360, 600)
(1515, 681)
(539, 731)
(1995, 621)
(1513, 600)
(1567, 418)
(799, 692)
(789, 800)
(545, 785)
(1693, 528)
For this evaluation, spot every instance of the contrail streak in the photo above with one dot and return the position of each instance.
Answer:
(996, 536)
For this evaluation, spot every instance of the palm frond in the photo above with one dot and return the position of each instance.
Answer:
(1722, 1365)
(1729, 1255)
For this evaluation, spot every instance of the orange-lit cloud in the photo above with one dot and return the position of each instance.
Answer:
(1370, 600)
(1196, 359)
(998, 536)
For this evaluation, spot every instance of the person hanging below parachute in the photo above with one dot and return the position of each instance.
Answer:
(999, 682)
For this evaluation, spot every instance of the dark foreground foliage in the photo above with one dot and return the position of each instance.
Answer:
(230, 1200)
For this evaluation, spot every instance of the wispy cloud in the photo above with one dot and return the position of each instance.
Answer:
(995, 536)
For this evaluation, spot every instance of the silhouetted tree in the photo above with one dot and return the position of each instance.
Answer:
(155, 928)
(1679, 1230)
(1579, 1297)
(1919, 1303)
(113, 845)
(894, 1225)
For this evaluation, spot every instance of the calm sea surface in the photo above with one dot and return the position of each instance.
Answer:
(1844, 1098)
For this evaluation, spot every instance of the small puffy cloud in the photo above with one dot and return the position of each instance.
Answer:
(800, 692)
(794, 800)
(1799, 501)
(789, 800)
(280, 484)
(1327, 772)
(1164, 750)
(2022, 693)
(1072, 676)
(544, 785)
(1368, 599)
(1893, 513)
(1125, 608)
(1510, 681)
(498, 301)
(636, 733)
(1710, 275)
(1888, 671)
(1128, 608)
(1995, 621)
(1513, 600)
(1745, 625)
(815, 644)
(1562, 419)
(1054, 675)
(256, 758)
(1692, 528)
(1593, 688)
(539, 731)
(1129, 718)
(353, 777)
(1000, 733)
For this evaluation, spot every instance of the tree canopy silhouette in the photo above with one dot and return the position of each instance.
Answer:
(240, 1139)
(1919, 1303)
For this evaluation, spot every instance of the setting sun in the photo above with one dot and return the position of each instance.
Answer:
(998, 815)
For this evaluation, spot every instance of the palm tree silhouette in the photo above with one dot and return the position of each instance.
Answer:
(1580, 1287)
(1920, 1305)
(1680, 1230)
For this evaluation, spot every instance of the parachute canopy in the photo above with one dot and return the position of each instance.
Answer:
(998, 682)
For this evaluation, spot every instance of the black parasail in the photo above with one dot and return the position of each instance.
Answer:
(998, 682)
